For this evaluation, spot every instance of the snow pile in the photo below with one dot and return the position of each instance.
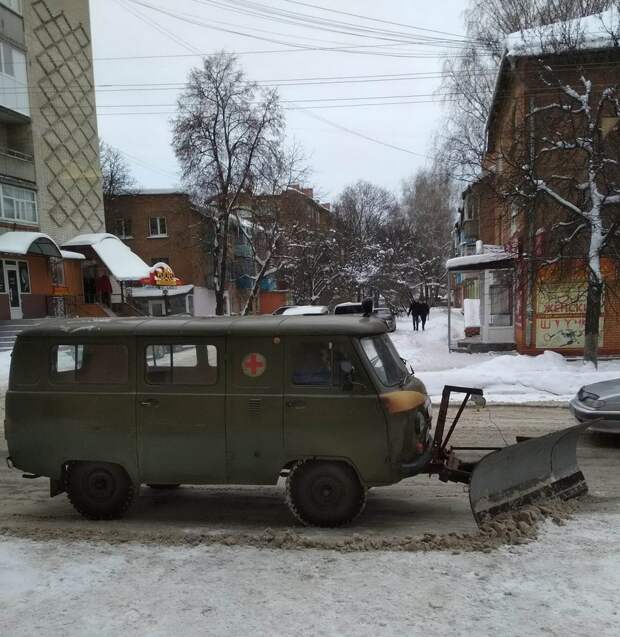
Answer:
(592, 32)
(508, 378)
(5, 366)
(569, 578)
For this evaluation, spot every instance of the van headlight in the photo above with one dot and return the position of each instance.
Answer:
(428, 405)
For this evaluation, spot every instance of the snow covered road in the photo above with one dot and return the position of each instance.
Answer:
(508, 378)
(565, 584)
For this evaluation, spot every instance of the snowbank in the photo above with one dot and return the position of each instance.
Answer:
(568, 579)
(508, 378)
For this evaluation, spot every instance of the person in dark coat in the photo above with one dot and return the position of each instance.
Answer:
(424, 310)
(414, 313)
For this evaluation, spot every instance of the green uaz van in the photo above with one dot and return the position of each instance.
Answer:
(102, 406)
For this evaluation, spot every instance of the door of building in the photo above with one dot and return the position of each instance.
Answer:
(12, 285)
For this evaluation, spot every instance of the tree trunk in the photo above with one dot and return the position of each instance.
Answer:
(593, 315)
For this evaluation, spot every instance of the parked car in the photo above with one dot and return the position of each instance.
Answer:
(599, 401)
(357, 309)
(385, 314)
(349, 308)
(282, 309)
(305, 310)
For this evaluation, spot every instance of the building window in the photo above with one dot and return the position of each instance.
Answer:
(157, 227)
(2, 286)
(19, 204)
(24, 277)
(500, 298)
(7, 63)
(14, 5)
(57, 270)
(123, 228)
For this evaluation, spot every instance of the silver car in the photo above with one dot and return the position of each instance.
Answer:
(599, 401)
(385, 314)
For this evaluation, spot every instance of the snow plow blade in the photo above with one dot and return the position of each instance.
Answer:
(527, 472)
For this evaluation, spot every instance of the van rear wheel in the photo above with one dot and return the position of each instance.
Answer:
(99, 491)
(325, 494)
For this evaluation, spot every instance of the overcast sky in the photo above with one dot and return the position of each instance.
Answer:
(142, 57)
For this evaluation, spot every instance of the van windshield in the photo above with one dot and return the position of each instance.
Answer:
(385, 360)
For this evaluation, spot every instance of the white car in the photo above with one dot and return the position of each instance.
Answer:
(349, 308)
(305, 310)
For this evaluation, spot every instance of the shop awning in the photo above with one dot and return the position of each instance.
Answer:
(124, 264)
(23, 243)
(486, 261)
(72, 255)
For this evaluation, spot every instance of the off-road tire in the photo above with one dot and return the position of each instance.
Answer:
(326, 494)
(162, 487)
(98, 490)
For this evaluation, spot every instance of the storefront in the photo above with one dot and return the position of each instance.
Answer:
(162, 293)
(33, 272)
(483, 284)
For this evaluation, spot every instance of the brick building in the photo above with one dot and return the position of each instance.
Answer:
(508, 268)
(164, 226)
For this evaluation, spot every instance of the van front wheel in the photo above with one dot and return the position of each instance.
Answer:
(99, 491)
(325, 494)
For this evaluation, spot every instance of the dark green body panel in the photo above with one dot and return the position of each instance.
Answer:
(254, 413)
(49, 425)
(182, 434)
(240, 429)
(330, 422)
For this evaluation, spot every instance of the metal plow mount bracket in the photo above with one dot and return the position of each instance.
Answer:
(527, 472)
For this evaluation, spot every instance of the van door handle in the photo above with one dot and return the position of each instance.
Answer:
(151, 402)
(296, 404)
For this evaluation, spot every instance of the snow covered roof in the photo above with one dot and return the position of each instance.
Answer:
(124, 264)
(599, 31)
(472, 261)
(72, 255)
(24, 243)
(152, 291)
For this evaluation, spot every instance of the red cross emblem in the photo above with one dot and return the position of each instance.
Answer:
(254, 365)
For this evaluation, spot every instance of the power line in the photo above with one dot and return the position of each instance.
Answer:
(355, 133)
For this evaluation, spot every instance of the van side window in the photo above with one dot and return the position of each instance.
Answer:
(90, 364)
(181, 364)
(317, 363)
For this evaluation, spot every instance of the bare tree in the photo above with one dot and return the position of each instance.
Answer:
(263, 222)
(116, 173)
(428, 200)
(361, 211)
(225, 133)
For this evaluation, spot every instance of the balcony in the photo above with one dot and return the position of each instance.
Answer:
(17, 165)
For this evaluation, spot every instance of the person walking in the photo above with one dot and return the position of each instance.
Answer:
(414, 312)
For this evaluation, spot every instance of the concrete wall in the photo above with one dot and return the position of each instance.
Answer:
(64, 123)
